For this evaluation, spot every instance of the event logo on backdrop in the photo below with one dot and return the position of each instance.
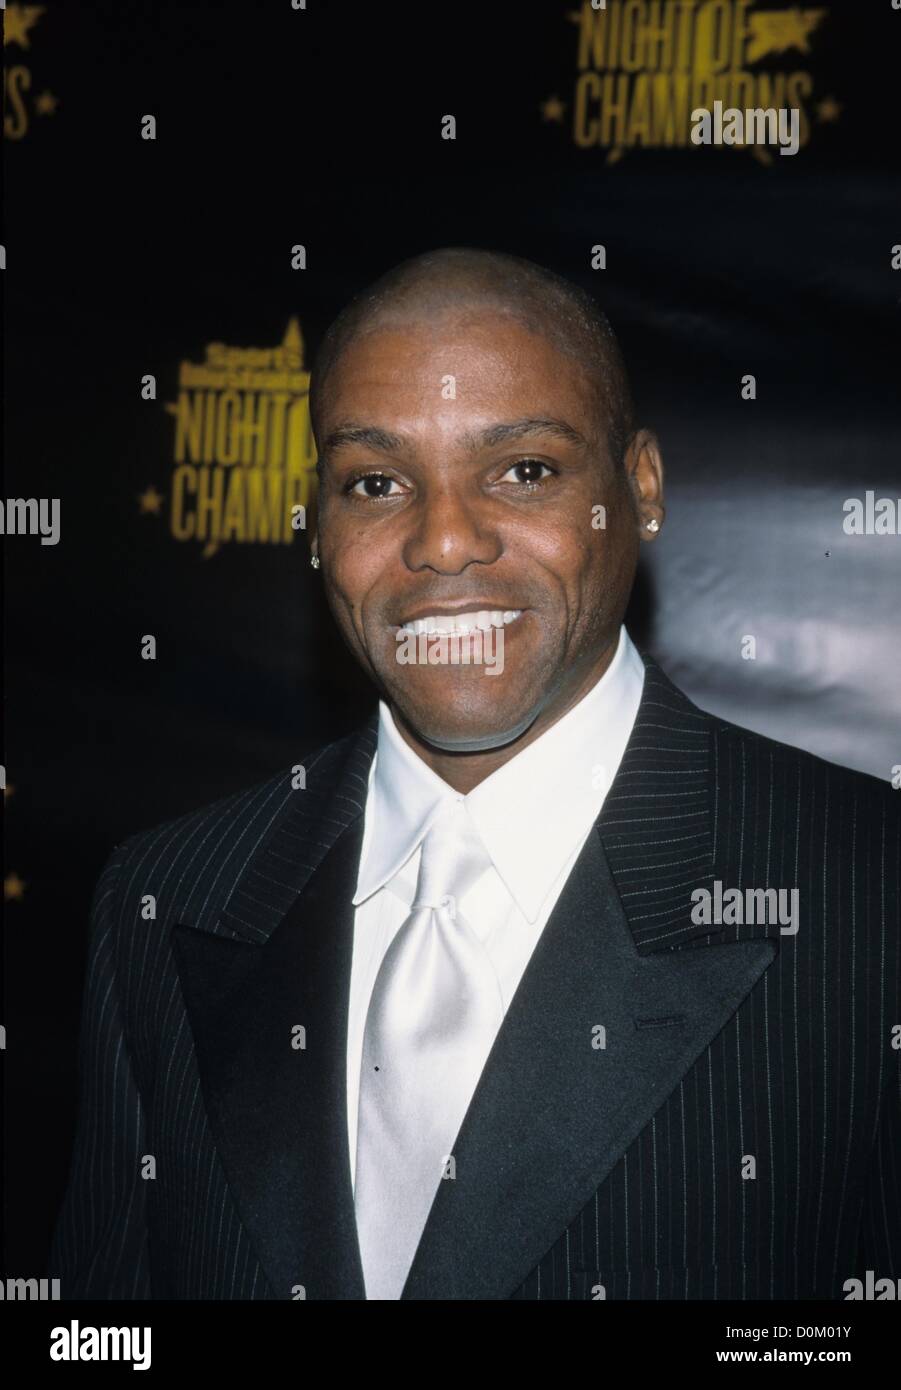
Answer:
(21, 100)
(243, 456)
(643, 67)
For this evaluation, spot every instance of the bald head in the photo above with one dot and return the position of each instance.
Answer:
(456, 280)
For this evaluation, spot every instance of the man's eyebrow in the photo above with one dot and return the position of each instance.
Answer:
(522, 429)
(372, 437)
(368, 435)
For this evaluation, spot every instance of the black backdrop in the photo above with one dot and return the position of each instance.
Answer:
(322, 127)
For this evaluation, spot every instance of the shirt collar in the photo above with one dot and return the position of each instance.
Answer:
(570, 768)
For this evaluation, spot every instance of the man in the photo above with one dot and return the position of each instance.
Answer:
(543, 984)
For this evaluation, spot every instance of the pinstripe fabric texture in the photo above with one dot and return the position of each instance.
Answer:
(801, 1085)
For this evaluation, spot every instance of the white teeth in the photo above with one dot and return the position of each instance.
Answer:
(461, 622)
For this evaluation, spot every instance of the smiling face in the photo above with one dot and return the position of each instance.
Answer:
(474, 496)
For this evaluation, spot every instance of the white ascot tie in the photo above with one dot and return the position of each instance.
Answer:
(435, 1010)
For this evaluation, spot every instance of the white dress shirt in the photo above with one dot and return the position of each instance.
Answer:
(534, 815)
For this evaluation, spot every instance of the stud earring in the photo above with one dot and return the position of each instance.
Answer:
(314, 561)
(653, 524)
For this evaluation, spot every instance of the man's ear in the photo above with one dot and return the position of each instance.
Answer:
(644, 470)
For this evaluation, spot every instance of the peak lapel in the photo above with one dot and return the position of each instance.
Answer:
(658, 820)
(553, 1112)
(274, 960)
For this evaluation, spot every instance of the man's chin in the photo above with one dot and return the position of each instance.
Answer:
(476, 733)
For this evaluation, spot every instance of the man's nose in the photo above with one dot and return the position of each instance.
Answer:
(449, 531)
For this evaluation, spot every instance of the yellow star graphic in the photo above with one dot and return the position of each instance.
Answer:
(829, 109)
(150, 499)
(552, 109)
(46, 104)
(19, 19)
(776, 31)
(13, 887)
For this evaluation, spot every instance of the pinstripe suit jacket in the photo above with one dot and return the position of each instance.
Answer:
(738, 1136)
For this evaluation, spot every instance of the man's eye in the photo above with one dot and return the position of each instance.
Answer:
(528, 471)
(374, 485)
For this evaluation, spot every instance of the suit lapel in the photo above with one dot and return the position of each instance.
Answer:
(659, 819)
(274, 960)
(553, 1111)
